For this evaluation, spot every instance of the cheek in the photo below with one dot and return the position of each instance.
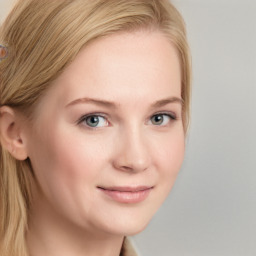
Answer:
(62, 161)
(66, 170)
(175, 153)
(170, 156)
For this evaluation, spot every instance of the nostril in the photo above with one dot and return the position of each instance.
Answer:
(132, 167)
(127, 169)
(124, 168)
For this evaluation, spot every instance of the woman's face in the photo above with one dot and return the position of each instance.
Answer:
(108, 139)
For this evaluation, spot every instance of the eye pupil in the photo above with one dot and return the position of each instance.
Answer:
(92, 121)
(157, 119)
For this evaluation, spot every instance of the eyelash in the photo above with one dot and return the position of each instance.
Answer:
(84, 118)
(172, 116)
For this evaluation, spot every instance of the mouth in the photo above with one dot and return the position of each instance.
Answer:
(128, 195)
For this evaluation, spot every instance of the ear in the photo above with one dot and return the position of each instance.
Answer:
(11, 133)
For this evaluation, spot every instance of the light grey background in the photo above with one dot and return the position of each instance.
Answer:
(212, 208)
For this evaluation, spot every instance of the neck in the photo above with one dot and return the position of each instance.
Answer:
(51, 234)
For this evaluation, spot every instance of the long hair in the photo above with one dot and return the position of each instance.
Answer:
(43, 37)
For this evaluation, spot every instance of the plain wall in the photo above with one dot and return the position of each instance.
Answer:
(211, 210)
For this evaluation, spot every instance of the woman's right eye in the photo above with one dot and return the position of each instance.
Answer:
(94, 121)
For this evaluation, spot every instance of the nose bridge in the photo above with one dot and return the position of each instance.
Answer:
(133, 152)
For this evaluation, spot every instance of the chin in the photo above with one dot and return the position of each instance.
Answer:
(127, 230)
(128, 225)
(134, 231)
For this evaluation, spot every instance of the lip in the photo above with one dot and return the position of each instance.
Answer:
(128, 195)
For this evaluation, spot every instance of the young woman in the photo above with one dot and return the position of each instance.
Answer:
(94, 106)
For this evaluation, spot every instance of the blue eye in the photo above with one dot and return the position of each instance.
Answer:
(94, 121)
(161, 119)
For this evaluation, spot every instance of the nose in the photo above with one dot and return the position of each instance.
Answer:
(132, 152)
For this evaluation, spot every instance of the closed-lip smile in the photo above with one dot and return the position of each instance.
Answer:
(127, 194)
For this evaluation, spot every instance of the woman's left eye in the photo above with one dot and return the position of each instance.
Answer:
(94, 121)
(161, 119)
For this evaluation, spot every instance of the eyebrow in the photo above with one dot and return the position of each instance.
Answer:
(166, 101)
(113, 105)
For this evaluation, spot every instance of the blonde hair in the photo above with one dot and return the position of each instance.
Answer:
(43, 37)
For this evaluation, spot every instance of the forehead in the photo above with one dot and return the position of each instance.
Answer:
(123, 66)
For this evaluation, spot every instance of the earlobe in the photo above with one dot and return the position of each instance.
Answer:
(11, 135)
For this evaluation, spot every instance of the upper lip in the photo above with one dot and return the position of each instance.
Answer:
(126, 188)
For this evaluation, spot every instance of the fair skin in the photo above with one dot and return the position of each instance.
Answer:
(106, 145)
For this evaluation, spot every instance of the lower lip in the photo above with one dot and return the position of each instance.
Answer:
(127, 196)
